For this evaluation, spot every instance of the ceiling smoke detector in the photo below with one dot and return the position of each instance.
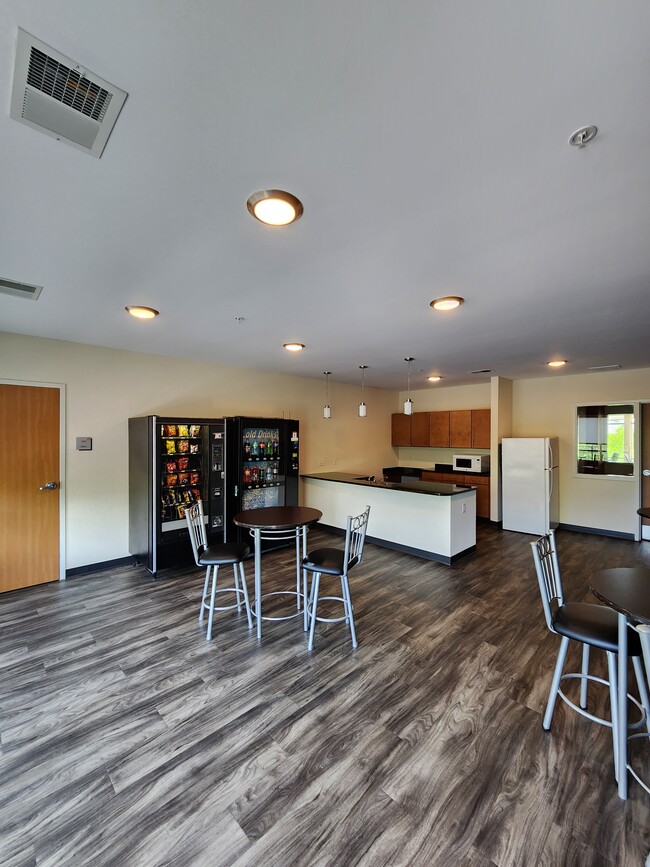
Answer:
(583, 136)
(56, 96)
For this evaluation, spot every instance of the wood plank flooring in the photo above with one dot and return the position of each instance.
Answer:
(127, 739)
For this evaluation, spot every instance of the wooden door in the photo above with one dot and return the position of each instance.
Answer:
(645, 466)
(400, 429)
(29, 517)
(460, 428)
(439, 429)
(480, 428)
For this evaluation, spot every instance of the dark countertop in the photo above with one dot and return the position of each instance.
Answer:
(437, 489)
(438, 468)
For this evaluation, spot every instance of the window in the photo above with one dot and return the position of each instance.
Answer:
(605, 440)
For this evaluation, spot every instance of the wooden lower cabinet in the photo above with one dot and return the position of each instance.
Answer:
(481, 483)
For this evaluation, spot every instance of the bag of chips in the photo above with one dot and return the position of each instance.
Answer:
(182, 430)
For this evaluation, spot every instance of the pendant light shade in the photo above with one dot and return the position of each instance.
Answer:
(327, 409)
(408, 403)
(363, 409)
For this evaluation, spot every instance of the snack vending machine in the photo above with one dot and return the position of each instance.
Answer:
(173, 463)
(262, 469)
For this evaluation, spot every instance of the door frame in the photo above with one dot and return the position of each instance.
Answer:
(638, 536)
(62, 485)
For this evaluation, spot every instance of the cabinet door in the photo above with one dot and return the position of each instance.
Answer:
(480, 428)
(460, 428)
(419, 429)
(439, 429)
(430, 476)
(400, 429)
(482, 484)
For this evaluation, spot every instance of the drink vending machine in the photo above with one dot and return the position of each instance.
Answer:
(262, 469)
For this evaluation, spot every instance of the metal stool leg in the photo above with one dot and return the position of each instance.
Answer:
(314, 604)
(245, 592)
(613, 702)
(205, 593)
(555, 685)
(584, 683)
(215, 571)
(643, 689)
(347, 602)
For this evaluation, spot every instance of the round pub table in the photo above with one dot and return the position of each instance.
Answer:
(627, 591)
(279, 523)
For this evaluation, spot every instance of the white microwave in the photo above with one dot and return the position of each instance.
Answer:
(472, 463)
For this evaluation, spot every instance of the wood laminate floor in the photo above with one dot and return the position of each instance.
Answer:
(127, 739)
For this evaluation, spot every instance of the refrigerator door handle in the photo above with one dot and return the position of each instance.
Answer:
(550, 486)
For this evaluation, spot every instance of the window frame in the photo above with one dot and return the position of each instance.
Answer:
(615, 477)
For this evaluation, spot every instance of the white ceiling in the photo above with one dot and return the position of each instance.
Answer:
(427, 140)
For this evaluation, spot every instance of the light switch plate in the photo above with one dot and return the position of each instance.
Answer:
(84, 444)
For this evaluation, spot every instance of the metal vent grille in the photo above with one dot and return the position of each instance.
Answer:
(53, 94)
(20, 290)
(484, 370)
(606, 367)
(67, 85)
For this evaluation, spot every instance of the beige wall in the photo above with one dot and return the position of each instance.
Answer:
(547, 407)
(105, 387)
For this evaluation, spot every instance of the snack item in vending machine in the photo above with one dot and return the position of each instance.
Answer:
(171, 479)
(180, 510)
(183, 463)
(187, 497)
(170, 430)
(196, 494)
(247, 475)
(183, 446)
(194, 478)
(194, 448)
(183, 478)
(170, 445)
(195, 430)
(183, 430)
(171, 466)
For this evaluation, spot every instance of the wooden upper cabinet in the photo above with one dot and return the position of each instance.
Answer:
(420, 428)
(481, 429)
(400, 429)
(439, 429)
(460, 428)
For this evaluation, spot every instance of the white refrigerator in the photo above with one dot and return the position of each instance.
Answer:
(529, 484)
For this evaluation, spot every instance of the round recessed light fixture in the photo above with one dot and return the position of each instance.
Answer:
(275, 207)
(559, 363)
(142, 312)
(449, 302)
(294, 347)
(434, 378)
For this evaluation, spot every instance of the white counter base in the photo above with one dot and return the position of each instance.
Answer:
(433, 527)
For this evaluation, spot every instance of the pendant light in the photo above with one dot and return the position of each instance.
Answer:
(327, 409)
(408, 403)
(363, 409)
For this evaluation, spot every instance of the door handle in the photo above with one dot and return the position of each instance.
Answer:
(646, 472)
(49, 486)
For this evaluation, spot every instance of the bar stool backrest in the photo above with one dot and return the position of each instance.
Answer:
(547, 567)
(196, 528)
(355, 539)
(644, 634)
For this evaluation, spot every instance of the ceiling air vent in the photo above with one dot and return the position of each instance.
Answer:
(484, 370)
(606, 367)
(55, 95)
(19, 290)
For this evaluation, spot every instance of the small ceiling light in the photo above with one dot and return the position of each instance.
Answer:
(142, 312)
(558, 363)
(363, 409)
(275, 207)
(327, 409)
(294, 347)
(408, 403)
(434, 378)
(583, 136)
(449, 302)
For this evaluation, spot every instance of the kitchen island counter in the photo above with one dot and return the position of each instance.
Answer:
(433, 520)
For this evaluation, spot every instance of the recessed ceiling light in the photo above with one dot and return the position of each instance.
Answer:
(294, 347)
(558, 363)
(449, 302)
(275, 207)
(434, 378)
(142, 312)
